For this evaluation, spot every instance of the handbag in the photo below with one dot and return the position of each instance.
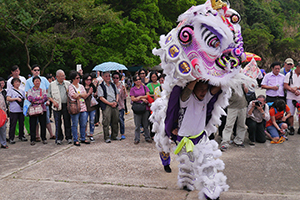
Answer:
(94, 102)
(3, 117)
(22, 102)
(36, 109)
(73, 106)
(138, 108)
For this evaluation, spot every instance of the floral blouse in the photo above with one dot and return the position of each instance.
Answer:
(35, 97)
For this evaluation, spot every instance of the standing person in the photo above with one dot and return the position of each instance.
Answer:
(273, 83)
(16, 97)
(57, 94)
(43, 85)
(96, 81)
(288, 66)
(109, 97)
(123, 94)
(153, 83)
(142, 75)
(91, 110)
(138, 93)
(292, 85)
(3, 106)
(158, 90)
(37, 96)
(236, 111)
(257, 115)
(49, 108)
(15, 71)
(77, 92)
(2, 90)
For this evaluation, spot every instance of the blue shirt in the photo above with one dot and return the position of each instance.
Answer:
(44, 84)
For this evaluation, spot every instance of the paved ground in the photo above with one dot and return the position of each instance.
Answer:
(122, 170)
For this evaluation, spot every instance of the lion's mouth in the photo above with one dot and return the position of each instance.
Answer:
(230, 59)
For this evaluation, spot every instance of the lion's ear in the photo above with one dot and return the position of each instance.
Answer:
(217, 4)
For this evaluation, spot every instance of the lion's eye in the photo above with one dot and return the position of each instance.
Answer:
(213, 42)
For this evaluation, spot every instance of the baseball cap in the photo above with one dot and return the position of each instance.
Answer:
(289, 61)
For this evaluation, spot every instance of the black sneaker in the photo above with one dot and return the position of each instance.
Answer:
(167, 168)
(12, 142)
(291, 130)
(24, 139)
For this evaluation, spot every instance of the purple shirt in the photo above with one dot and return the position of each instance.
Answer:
(14, 107)
(139, 92)
(271, 80)
(37, 97)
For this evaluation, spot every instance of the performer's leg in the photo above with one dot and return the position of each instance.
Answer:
(165, 159)
(186, 176)
(208, 180)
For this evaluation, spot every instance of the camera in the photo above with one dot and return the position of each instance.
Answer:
(257, 103)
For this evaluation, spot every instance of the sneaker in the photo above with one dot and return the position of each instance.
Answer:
(167, 169)
(223, 148)
(44, 142)
(149, 141)
(69, 141)
(117, 138)
(123, 137)
(32, 143)
(239, 145)
(24, 139)
(58, 142)
(12, 142)
(291, 130)
(136, 142)
(92, 139)
(108, 141)
(251, 143)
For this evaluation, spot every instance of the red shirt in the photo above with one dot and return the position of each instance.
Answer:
(278, 115)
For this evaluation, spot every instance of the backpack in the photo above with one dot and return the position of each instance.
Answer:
(103, 105)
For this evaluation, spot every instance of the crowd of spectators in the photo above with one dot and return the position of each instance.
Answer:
(267, 117)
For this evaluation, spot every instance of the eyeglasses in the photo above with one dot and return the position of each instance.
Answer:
(115, 77)
(137, 79)
(36, 70)
(142, 73)
(89, 79)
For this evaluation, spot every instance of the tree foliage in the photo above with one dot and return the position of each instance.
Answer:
(60, 34)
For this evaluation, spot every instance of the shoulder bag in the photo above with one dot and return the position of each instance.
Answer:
(36, 109)
(139, 108)
(73, 106)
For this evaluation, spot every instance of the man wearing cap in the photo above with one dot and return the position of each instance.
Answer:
(292, 85)
(288, 65)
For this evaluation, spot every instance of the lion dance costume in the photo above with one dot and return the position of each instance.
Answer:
(206, 44)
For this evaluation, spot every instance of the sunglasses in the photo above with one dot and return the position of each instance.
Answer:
(137, 79)
(115, 77)
(36, 70)
(142, 73)
(77, 78)
(89, 79)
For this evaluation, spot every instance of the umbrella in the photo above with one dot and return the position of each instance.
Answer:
(249, 57)
(109, 66)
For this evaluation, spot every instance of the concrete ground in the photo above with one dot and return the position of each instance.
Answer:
(122, 170)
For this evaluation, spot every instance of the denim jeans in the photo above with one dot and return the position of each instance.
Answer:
(273, 131)
(122, 121)
(91, 116)
(82, 118)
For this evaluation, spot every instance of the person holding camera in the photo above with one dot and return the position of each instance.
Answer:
(257, 114)
(16, 97)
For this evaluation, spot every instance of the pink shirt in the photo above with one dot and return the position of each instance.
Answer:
(271, 80)
(79, 90)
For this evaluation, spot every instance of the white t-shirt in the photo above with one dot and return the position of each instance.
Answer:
(22, 86)
(296, 83)
(192, 115)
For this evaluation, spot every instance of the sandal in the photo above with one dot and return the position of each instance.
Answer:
(4, 146)
(281, 140)
(38, 139)
(52, 137)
